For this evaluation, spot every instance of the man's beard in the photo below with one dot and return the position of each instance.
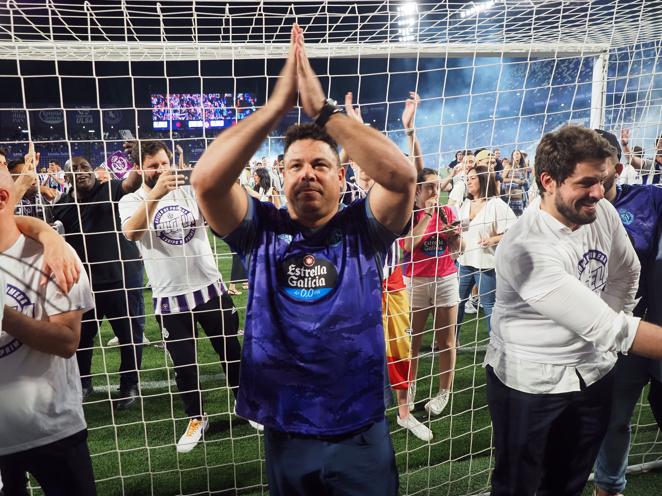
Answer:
(574, 215)
(150, 182)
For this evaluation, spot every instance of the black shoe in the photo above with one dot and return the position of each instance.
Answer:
(87, 391)
(127, 398)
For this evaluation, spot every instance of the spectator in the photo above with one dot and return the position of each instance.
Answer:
(101, 174)
(431, 277)
(640, 210)
(485, 219)
(44, 431)
(459, 176)
(650, 170)
(90, 219)
(459, 158)
(515, 183)
(164, 220)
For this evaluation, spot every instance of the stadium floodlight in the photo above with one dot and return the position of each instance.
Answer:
(478, 8)
(407, 21)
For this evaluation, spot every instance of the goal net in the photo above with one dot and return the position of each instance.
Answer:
(80, 79)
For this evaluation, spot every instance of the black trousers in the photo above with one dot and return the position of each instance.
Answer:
(125, 311)
(546, 444)
(62, 468)
(220, 320)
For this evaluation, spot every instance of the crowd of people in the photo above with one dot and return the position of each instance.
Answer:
(347, 255)
(192, 106)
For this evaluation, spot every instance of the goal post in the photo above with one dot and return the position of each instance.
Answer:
(77, 78)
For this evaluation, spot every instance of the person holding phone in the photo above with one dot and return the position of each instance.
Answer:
(431, 276)
(485, 218)
(164, 220)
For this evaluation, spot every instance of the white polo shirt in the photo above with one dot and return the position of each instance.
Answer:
(563, 301)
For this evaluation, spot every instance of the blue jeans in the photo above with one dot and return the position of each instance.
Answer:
(631, 374)
(486, 282)
(360, 464)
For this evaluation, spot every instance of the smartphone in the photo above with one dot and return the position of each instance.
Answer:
(185, 172)
(126, 134)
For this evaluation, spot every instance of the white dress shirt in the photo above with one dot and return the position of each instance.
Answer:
(563, 301)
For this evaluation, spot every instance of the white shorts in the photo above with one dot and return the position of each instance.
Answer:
(426, 292)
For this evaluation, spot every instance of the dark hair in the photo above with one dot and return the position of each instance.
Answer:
(3, 152)
(298, 132)
(140, 150)
(487, 182)
(281, 156)
(264, 181)
(420, 178)
(56, 162)
(522, 160)
(613, 141)
(12, 164)
(559, 152)
(77, 161)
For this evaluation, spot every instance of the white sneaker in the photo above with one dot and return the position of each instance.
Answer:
(190, 438)
(411, 396)
(437, 404)
(254, 425)
(469, 308)
(115, 341)
(412, 424)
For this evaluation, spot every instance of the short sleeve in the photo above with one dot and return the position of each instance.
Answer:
(242, 239)
(127, 206)
(382, 237)
(80, 297)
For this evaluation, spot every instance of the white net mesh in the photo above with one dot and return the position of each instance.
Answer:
(78, 79)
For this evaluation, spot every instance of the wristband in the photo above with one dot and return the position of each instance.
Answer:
(409, 132)
(330, 107)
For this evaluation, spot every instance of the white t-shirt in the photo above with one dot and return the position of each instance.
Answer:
(41, 393)
(495, 218)
(459, 191)
(630, 175)
(563, 301)
(176, 250)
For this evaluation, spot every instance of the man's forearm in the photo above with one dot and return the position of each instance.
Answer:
(223, 161)
(41, 335)
(381, 159)
(415, 151)
(138, 224)
(132, 181)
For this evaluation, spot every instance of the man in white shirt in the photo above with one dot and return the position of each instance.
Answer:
(567, 276)
(164, 220)
(42, 427)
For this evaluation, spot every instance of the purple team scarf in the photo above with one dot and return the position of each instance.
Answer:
(118, 164)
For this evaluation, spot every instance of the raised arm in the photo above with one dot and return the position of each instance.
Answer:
(636, 162)
(392, 196)
(408, 121)
(222, 200)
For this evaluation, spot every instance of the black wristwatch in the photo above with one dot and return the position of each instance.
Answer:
(330, 107)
